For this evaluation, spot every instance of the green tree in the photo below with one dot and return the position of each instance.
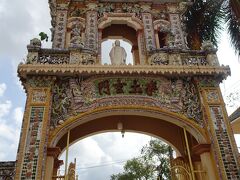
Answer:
(43, 36)
(204, 19)
(153, 163)
(159, 154)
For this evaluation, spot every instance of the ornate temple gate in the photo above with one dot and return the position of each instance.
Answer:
(170, 91)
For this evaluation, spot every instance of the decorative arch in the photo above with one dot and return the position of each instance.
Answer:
(129, 20)
(162, 25)
(162, 30)
(153, 119)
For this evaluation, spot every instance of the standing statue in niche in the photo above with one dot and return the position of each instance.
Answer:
(118, 54)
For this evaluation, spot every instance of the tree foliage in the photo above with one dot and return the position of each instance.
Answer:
(232, 9)
(204, 19)
(203, 22)
(43, 36)
(153, 163)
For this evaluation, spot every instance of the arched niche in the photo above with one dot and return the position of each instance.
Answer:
(128, 28)
(162, 31)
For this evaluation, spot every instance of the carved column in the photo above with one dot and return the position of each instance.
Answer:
(219, 130)
(91, 27)
(157, 39)
(60, 30)
(141, 47)
(99, 58)
(176, 29)
(135, 54)
(32, 147)
(148, 31)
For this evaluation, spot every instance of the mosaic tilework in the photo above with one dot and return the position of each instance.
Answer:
(60, 29)
(177, 30)
(212, 96)
(148, 31)
(92, 30)
(39, 96)
(29, 170)
(224, 143)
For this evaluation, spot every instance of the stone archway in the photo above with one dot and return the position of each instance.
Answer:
(153, 121)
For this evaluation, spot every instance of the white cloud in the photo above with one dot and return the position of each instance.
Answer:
(104, 154)
(3, 88)
(227, 56)
(18, 116)
(9, 127)
(5, 108)
(9, 137)
(18, 28)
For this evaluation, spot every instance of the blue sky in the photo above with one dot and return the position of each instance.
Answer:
(21, 22)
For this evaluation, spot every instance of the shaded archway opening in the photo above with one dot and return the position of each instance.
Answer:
(125, 33)
(171, 133)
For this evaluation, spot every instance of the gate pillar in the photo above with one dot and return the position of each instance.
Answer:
(220, 132)
(203, 150)
(31, 155)
(52, 157)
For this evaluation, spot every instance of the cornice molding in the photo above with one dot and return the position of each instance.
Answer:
(167, 70)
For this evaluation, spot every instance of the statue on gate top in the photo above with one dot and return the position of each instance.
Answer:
(118, 54)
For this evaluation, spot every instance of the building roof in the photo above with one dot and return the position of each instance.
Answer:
(235, 115)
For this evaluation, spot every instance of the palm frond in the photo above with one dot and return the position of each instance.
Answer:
(203, 22)
(233, 24)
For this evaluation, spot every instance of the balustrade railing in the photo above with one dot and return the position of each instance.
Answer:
(183, 57)
(162, 57)
(53, 57)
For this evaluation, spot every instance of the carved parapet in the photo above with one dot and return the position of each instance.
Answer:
(35, 44)
(47, 56)
(33, 49)
(72, 55)
(53, 56)
(7, 169)
(183, 57)
(82, 56)
(210, 51)
(159, 59)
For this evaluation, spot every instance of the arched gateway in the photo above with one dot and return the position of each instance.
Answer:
(170, 91)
